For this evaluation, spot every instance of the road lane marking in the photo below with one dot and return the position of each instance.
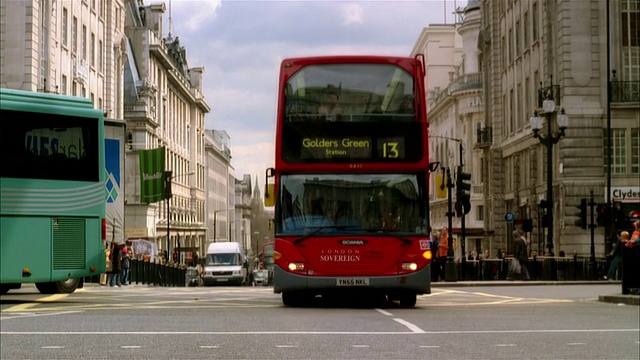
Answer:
(505, 345)
(446, 332)
(34, 314)
(573, 344)
(209, 346)
(131, 347)
(53, 347)
(429, 346)
(414, 328)
(360, 346)
(29, 305)
(384, 312)
(286, 346)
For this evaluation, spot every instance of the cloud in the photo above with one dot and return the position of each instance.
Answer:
(352, 14)
(191, 21)
(242, 43)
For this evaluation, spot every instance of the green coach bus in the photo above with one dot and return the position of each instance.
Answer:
(52, 191)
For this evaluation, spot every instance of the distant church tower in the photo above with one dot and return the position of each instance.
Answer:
(257, 196)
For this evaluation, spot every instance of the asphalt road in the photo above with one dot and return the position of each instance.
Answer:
(140, 322)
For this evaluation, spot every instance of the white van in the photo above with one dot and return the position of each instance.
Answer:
(225, 264)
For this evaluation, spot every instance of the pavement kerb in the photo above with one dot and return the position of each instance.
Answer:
(612, 298)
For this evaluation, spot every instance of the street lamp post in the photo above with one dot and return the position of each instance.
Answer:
(548, 106)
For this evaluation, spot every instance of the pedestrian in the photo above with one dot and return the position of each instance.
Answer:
(635, 236)
(115, 265)
(435, 241)
(125, 264)
(443, 252)
(520, 254)
(616, 254)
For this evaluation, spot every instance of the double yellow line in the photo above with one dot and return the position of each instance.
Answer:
(29, 305)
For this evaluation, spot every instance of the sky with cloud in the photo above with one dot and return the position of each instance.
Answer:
(240, 44)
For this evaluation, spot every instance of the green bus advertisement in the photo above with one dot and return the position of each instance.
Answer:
(52, 191)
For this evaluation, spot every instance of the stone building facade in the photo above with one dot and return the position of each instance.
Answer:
(165, 107)
(456, 117)
(528, 47)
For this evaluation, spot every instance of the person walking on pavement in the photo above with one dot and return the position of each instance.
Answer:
(520, 253)
(126, 265)
(616, 254)
(116, 268)
(443, 252)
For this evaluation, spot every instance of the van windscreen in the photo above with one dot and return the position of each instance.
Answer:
(223, 259)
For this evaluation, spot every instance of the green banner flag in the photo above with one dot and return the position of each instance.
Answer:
(151, 175)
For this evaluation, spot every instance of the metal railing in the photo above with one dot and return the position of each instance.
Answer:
(625, 91)
(573, 268)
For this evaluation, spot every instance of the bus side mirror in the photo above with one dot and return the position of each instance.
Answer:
(269, 189)
(269, 198)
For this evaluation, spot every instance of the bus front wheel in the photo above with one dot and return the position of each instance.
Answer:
(408, 300)
(294, 298)
(58, 287)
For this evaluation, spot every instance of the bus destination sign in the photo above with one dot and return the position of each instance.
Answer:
(351, 148)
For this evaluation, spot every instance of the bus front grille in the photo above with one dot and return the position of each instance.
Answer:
(68, 243)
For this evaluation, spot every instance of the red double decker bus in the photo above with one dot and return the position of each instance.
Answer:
(351, 179)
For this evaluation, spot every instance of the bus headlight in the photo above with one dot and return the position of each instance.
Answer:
(409, 266)
(296, 266)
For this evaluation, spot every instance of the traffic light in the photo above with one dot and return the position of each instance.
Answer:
(602, 217)
(167, 184)
(582, 215)
(463, 192)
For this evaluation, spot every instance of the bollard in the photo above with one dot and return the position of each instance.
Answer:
(145, 272)
(630, 269)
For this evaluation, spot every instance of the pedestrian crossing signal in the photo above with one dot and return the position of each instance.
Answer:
(602, 215)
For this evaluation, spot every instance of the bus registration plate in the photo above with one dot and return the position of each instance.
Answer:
(353, 281)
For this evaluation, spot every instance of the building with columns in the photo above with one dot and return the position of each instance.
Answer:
(456, 116)
(65, 47)
(488, 74)
(164, 107)
(220, 188)
(531, 50)
(73, 48)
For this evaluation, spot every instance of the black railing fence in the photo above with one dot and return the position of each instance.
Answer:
(145, 272)
(547, 268)
(539, 267)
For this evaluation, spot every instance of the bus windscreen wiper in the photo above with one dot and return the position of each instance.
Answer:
(389, 232)
(318, 229)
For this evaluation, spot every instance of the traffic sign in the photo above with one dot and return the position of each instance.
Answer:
(509, 217)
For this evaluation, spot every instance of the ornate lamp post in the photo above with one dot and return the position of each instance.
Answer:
(548, 106)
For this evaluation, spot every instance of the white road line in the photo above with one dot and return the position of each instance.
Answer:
(209, 346)
(447, 332)
(131, 347)
(53, 347)
(504, 345)
(19, 315)
(429, 346)
(573, 344)
(414, 328)
(384, 312)
(360, 346)
(286, 346)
